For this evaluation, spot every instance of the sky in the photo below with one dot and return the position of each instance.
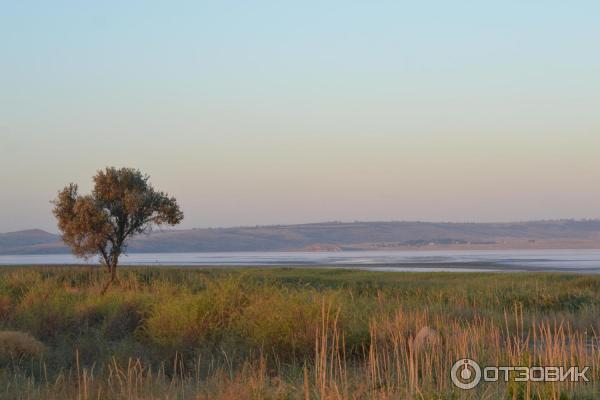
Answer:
(275, 112)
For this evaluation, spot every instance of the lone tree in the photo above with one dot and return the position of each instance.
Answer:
(121, 205)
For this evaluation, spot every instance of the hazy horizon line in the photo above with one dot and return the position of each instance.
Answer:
(346, 222)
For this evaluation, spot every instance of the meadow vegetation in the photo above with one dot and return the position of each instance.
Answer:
(286, 333)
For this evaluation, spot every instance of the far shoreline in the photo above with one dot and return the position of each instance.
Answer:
(418, 267)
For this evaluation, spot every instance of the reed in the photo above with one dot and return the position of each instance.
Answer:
(281, 334)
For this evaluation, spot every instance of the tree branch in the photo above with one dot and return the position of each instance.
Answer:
(105, 257)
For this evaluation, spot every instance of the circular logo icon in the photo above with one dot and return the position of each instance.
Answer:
(465, 374)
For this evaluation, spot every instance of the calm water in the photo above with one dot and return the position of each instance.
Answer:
(579, 261)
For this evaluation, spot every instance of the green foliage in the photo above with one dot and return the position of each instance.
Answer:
(48, 311)
(228, 316)
(122, 204)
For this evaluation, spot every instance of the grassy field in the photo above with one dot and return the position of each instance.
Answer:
(287, 333)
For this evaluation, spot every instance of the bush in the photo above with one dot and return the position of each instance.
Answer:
(282, 322)
(189, 319)
(48, 312)
(6, 307)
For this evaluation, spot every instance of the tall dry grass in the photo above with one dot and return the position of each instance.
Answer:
(275, 335)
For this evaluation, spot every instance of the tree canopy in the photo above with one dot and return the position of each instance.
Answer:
(122, 204)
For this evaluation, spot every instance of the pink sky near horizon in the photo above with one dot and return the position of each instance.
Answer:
(263, 113)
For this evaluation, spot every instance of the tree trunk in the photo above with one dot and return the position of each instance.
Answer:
(113, 277)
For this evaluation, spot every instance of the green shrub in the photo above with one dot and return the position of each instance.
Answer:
(49, 311)
(282, 322)
(189, 319)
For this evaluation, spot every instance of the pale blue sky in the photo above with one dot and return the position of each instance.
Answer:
(279, 112)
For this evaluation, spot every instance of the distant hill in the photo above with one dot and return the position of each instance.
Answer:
(32, 241)
(339, 236)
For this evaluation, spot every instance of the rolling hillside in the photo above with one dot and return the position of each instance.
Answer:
(338, 236)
